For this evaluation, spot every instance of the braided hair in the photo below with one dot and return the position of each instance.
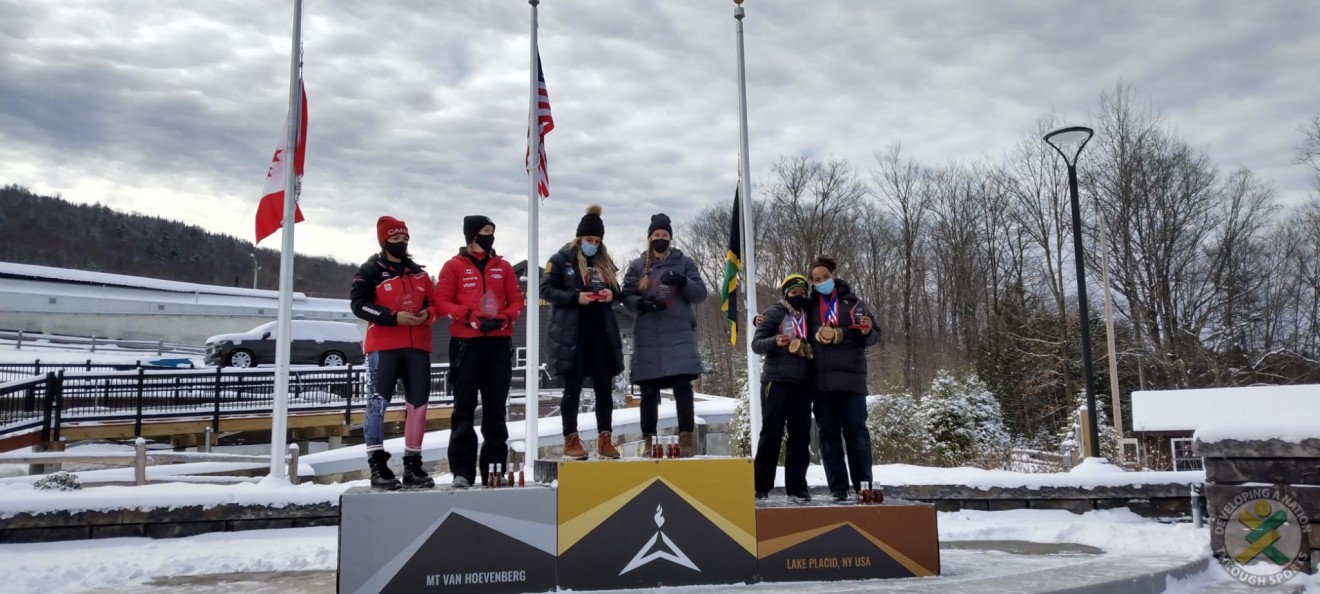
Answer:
(646, 271)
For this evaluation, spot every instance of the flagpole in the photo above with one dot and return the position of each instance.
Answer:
(532, 404)
(284, 325)
(749, 251)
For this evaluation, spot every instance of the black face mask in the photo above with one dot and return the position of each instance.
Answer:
(484, 242)
(798, 301)
(398, 250)
(659, 245)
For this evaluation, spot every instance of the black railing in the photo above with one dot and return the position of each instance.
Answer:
(59, 398)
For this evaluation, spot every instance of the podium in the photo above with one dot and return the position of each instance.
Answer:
(823, 542)
(622, 524)
(653, 523)
(442, 540)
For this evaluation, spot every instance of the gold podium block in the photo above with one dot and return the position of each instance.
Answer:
(652, 523)
(847, 542)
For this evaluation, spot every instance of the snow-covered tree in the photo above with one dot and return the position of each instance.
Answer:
(897, 434)
(962, 420)
(741, 438)
(1110, 445)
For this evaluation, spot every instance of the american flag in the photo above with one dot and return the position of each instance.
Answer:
(546, 124)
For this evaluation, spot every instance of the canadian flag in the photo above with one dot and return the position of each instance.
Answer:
(270, 212)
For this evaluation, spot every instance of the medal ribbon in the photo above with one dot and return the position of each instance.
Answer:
(799, 325)
(829, 310)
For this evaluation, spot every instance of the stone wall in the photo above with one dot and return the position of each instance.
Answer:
(1240, 471)
(163, 522)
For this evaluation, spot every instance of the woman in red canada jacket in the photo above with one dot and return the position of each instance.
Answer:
(478, 291)
(394, 295)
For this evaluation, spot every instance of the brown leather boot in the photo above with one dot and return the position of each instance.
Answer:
(605, 446)
(648, 442)
(687, 444)
(573, 449)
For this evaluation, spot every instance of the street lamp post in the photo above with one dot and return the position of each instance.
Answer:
(255, 268)
(1059, 139)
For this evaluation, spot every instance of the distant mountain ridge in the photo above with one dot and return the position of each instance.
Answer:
(51, 231)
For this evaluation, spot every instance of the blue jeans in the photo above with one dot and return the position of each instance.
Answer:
(841, 425)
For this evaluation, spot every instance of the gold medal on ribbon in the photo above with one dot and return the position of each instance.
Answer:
(826, 335)
(795, 346)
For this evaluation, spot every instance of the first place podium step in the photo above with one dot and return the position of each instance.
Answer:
(652, 523)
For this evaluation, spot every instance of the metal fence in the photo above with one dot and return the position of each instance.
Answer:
(52, 401)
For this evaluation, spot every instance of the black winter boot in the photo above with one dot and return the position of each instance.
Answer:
(381, 475)
(413, 475)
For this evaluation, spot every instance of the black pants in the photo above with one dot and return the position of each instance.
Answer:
(482, 365)
(590, 359)
(841, 424)
(783, 404)
(682, 386)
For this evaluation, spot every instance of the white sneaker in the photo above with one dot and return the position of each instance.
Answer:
(460, 482)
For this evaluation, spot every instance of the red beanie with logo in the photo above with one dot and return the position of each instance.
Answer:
(387, 227)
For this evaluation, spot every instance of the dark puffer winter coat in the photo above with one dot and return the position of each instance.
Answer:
(560, 285)
(780, 365)
(665, 342)
(841, 367)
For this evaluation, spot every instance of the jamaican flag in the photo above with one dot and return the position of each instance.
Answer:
(732, 266)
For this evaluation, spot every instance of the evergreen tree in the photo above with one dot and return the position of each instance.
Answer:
(897, 434)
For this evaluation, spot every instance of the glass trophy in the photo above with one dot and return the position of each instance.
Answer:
(489, 304)
(595, 280)
(786, 327)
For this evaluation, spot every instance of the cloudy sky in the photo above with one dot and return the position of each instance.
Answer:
(418, 108)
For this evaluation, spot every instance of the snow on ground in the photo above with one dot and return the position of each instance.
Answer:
(1113, 530)
(72, 566)
(114, 564)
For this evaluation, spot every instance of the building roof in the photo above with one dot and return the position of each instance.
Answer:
(1189, 410)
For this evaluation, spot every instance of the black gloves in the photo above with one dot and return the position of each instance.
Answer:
(492, 324)
(651, 304)
(673, 278)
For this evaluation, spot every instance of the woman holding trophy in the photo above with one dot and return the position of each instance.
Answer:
(781, 335)
(841, 328)
(581, 284)
(662, 286)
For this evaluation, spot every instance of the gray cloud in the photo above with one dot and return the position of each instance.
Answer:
(418, 109)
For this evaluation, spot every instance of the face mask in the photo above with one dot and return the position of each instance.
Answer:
(659, 246)
(484, 242)
(398, 250)
(826, 287)
(589, 249)
(798, 301)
